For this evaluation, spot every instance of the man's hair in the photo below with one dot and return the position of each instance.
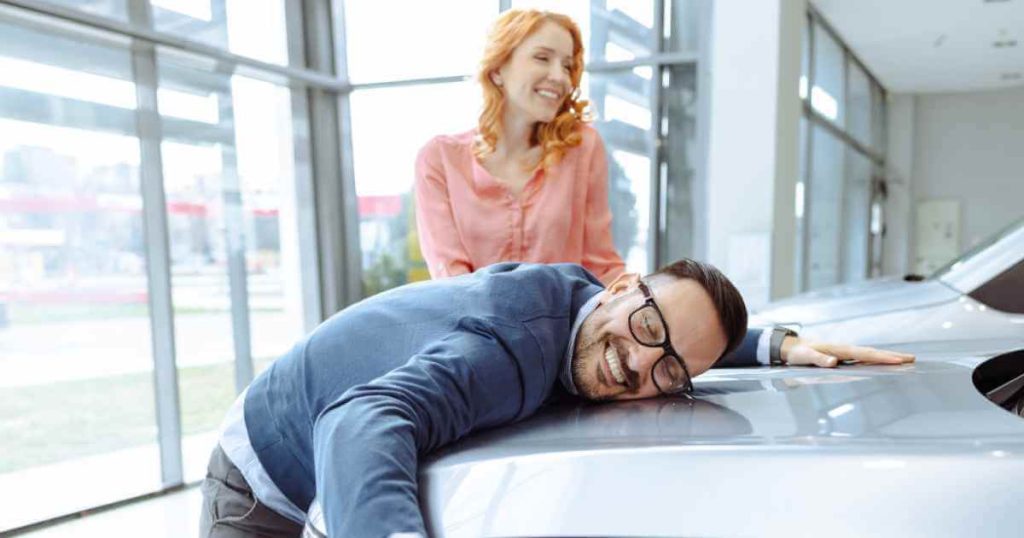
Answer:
(732, 311)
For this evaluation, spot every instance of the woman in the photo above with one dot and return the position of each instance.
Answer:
(530, 182)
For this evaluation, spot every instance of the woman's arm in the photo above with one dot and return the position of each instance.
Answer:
(439, 238)
(599, 255)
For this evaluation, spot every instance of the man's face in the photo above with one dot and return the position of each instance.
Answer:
(606, 350)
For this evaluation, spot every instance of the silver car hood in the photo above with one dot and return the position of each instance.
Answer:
(860, 299)
(854, 451)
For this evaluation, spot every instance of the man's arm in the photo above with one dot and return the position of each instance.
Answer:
(796, 351)
(367, 443)
(746, 354)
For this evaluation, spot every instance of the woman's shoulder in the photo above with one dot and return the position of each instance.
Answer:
(446, 143)
(591, 137)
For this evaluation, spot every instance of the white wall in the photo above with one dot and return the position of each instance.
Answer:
(970, 147)
(753, 144)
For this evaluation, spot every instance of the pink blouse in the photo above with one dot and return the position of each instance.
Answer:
(467, 219)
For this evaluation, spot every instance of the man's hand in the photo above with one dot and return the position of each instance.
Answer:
(801, 352)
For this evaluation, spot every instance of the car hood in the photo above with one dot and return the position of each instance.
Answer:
(860, 299)
(853, 451)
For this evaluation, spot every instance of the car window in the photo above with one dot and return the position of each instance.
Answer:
(977, 249)
(1004, 292)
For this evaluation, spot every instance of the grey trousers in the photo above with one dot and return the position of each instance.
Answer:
(230, 510)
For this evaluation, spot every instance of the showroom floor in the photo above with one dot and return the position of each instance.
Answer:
(175, 515)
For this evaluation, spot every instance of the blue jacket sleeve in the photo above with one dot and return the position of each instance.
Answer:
(367, 443)
(745, 354)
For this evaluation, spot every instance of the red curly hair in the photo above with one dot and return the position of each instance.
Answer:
(554, 137)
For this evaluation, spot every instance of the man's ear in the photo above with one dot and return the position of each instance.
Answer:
(624, 283)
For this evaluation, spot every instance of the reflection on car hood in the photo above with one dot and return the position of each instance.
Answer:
(854, 451)
(854, 300)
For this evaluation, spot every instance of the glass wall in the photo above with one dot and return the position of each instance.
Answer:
(374, 54)
(425, 91)
(840, 194)
(620, 101)
(76, 365)
(642, 104)
(253, 28)
(637, 99)
(824, 209)
(79, 406)
(828, 91)
(228, 158)
(114, 9)
(384, 159)
(160, 234)
(678, 170)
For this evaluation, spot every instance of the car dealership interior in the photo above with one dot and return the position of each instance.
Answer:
(190, 187)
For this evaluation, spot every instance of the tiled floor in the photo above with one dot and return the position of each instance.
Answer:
(175, 515)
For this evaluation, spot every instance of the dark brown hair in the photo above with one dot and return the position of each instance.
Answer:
(732, 311)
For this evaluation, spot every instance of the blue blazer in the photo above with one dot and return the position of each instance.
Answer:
(346, 414)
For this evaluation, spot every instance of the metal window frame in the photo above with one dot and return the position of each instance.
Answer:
(659, 187)
(227, 60)
(810, 115)
(352, 267)
(158, 259)
(699, 192)
(304, 195)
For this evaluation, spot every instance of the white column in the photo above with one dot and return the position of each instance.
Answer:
(753, 149)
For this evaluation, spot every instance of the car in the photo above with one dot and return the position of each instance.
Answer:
(911, 450)
(933, 448)
(978, 297)
(930, 448)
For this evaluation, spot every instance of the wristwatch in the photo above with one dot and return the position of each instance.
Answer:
(775, 345)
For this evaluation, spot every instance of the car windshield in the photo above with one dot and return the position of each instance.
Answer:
(978, 249)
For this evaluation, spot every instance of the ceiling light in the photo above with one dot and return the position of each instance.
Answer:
(1004, 43)
(1011, 76)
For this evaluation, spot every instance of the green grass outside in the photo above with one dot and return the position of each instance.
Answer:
(60, 421)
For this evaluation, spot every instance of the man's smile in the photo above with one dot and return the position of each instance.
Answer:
(614, 364)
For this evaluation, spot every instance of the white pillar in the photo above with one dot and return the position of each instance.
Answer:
(753, 149)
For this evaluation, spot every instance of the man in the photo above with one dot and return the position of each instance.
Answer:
(344, 416)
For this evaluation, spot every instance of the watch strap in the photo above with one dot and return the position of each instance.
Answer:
(775, 345)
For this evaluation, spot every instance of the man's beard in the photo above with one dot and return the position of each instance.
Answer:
(586, 385)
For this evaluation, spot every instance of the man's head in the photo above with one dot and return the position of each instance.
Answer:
(650, 335)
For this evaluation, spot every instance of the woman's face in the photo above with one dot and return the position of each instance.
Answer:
(535, 80)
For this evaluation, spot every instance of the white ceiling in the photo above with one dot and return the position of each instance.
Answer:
(922, 46)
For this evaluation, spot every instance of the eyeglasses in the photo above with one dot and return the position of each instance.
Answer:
(648, 327)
